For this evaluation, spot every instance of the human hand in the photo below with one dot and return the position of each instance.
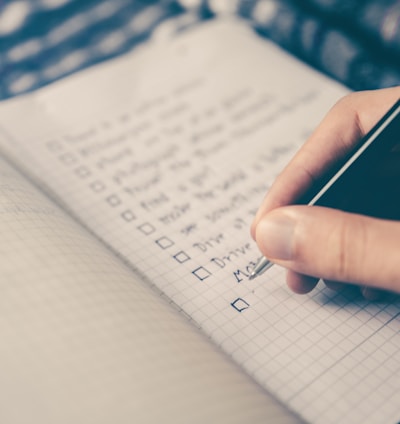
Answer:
(316, 242)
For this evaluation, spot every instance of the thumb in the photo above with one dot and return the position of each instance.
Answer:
(333, 245)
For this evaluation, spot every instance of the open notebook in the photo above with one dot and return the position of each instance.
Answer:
(125, 249)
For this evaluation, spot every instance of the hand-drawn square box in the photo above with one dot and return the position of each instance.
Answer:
(181, 257)
(128, 215)
(82, 172)
(240, 305)
(113, 200)
(97, 186)
(68, 158)
(201, 273)
(146, 228)
(164, 242)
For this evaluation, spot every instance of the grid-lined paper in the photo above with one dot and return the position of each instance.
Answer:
(83, 341)
(167, 165)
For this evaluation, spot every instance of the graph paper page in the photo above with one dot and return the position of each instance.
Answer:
(83, 341)
(166, 155)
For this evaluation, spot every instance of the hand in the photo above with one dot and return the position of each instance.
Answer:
(316, 242)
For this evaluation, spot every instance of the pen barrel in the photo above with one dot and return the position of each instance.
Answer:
(368, 182)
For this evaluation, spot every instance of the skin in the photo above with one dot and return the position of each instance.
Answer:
(314, 242)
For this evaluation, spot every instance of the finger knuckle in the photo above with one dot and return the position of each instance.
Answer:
(348, 101)
(350, 252)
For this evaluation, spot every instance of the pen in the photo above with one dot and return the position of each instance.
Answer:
(363, 182)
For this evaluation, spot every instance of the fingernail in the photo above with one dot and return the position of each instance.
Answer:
(275, 234)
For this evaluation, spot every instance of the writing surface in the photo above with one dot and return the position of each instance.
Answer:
(84, 341)
(167, 166)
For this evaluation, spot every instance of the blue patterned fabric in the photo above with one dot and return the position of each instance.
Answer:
(355, 41)
(44, 40)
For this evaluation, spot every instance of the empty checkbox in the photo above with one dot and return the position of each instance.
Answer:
(128, 216)
(113, 200)
(201, 273)
(181, 257)
(82, 171)
(164, 242)
(240, 305)
(68, 159)
(146, 228)
(97, 186)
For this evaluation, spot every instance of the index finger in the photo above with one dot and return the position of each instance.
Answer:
(349, 119)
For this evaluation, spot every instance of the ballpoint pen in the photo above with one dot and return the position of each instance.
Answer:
(362, 183)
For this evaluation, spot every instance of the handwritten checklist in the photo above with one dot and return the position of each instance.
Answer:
(169, 174)
(172, 157)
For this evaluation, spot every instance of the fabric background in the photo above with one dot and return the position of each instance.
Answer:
(355, 41)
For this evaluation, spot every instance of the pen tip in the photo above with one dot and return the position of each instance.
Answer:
(253, 275)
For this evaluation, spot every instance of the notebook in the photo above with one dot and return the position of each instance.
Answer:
(126, 197)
